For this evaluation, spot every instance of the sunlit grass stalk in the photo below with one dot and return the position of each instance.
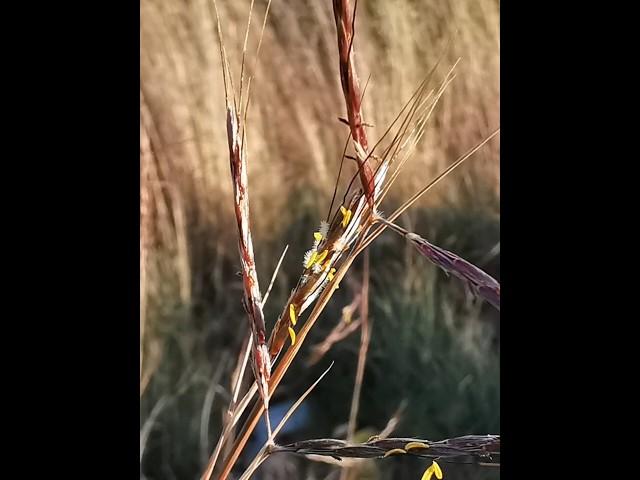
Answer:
(345, 28)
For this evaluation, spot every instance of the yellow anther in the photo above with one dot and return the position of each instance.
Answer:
(320, 258)
(411, 445)
(346, 220)
(311, 260)
(317, 236)
(346, 216)
(292, 334)
(395, 451)
(428, 473)
(437, 470)
(292, 314)
(331, 273)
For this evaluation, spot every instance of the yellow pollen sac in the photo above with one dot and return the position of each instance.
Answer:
(395, 451)
(292, 314)
(346, 216)
(428, 473)
(317, 236)
(331, 273)
(312, 260)
(320, 258)
(292, 334)
(411, 445)
(437, 470)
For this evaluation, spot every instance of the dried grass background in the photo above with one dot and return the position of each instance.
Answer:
(189, 291)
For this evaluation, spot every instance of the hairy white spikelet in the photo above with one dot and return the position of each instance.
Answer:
(324, 228)
(316, 268)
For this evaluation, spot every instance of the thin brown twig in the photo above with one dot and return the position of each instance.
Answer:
(393, 421)
(365, 337)
(345, 327)
(273, 277)
(205, 415)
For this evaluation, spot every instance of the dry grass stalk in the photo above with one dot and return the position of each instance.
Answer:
(236, 135)
(265, 451)
(145, 239)
(273, 277)
(365, 337)
(345, 26)
(205, 415)
(238, 162)
(355, 463)
(261, 363)
(237, 378)
(230, 417)
(478, 281)
(467, 449)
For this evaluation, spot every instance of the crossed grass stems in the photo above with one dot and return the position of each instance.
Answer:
(340, 239)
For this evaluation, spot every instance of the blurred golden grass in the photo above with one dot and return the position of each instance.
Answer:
(295, 140)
